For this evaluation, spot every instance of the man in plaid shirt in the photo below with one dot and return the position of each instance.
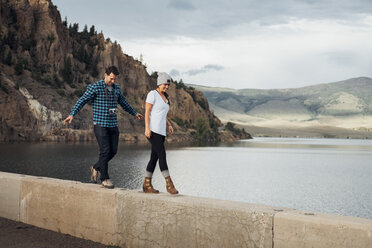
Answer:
(105, 95)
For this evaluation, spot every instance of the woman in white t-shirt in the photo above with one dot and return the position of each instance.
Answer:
(156, 110)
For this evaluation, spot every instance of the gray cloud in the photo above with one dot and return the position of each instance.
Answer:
(213, 67)
(149, 24)
(341, 58)
(181, 5)
(203, 19)
(174, 73)
(194, 72)
(204, 69)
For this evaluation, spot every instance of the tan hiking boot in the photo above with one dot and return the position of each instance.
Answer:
(147, 186)
(170, 186)
(94, 175)
(108, 184)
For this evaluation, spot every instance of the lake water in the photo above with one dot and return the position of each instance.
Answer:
(321, 175)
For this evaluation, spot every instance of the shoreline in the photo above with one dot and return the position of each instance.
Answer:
(319, 132)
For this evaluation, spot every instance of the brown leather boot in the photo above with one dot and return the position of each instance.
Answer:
(170, 186)
(147, 186)
(94, 175)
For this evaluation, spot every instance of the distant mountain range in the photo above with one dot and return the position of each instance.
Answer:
(340, 109)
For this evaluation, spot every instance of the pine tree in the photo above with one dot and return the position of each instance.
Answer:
(92, 31)
(8, 59)
(2, 49)
(85, 33)
(65, 22)
(18, 67)
(67, 71)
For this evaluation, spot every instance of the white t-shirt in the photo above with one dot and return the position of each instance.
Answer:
(158, 114)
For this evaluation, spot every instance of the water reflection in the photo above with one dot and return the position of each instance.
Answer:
(70, 161)
(322, 175)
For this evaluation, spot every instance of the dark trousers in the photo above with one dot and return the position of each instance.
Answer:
(108, 139)
(157, 153)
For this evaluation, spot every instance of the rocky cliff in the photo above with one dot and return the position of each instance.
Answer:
(46, 64)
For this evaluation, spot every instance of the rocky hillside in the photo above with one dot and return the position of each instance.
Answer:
(46, 64)
(346, 105)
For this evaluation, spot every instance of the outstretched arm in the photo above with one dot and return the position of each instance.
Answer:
(88, 95)
(126, 106)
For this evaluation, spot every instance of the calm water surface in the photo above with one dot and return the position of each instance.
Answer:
(322, 175)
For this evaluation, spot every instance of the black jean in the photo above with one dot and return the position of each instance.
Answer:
(108, 139)
(157, 153)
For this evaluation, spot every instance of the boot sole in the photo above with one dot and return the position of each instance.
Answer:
(108, 187)
(146, 192)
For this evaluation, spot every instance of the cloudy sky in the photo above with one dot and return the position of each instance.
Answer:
(238, 43)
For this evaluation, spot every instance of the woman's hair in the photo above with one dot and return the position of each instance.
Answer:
(167, 96)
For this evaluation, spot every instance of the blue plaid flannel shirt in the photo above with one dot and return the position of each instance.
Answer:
(102, 101)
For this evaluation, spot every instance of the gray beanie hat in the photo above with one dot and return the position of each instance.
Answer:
(163, 78)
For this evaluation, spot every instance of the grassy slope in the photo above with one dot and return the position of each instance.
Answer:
(341, 109)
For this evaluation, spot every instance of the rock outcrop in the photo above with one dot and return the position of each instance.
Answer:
(46, 64)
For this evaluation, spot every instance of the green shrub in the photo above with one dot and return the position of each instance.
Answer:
(230, 126)
(235, 131)
(204, 134)
(48, 80)
(11, 40)
(3, 88)
(51, 38)
(9, 58)
(61, 92)
(67, 73)
(79, 92)
(28, 44)
(179, 121)
(56, 81)
(18, 67)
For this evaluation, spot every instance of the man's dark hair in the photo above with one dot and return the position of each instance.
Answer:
(112, 69)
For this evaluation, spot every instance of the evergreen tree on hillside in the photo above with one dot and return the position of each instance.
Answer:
(65, 22)
(204, 133)
(18, 67)
(67, 71)
(92, 31)
(9, 58)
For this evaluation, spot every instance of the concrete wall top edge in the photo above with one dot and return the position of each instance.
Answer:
(314, 217)
(11, 175)
(182, 199)
(200, 201)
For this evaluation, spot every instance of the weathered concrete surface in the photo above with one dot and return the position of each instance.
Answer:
(295, 229)
(81, 210)
(134, 219)
(163, 220)
(10, 185)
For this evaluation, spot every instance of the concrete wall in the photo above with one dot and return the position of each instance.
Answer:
(133, 219)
